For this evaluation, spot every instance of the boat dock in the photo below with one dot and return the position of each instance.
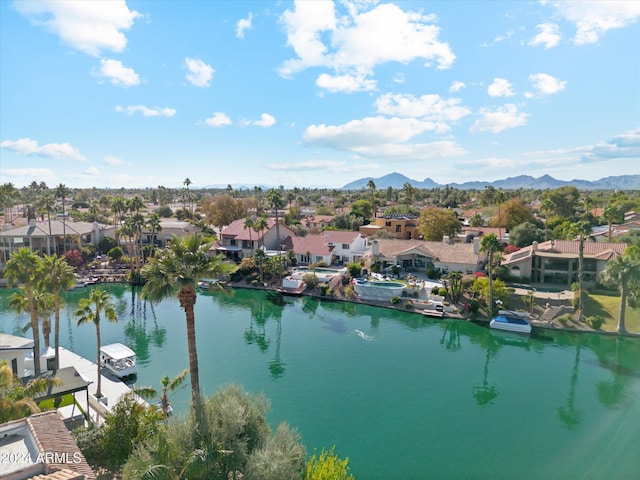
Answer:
(113, 389)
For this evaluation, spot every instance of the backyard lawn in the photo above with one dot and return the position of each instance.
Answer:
(608, 306)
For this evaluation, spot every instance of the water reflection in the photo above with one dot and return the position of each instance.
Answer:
(569, 415)
(485, 393)
(139, 336)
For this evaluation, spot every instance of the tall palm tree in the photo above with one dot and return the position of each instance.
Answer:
(581, 230)
(249, 224)
(177, 271)
(153, 224)
(63, 192)
(623, 271)
(60, 275)
(259, 226)
(499, 197)
(24, 268)
(16, 399)
(276, 201)
(491, 245)
(186, 183)
(546, 206)
(90, 310)
(371, 185)
(19, 303)
(168, 385)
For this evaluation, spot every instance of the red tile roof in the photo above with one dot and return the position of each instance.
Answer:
(316, 244)
(341, 236)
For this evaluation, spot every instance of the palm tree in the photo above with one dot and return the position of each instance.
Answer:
(259, 226)
(153, 223)
(60, 275)
(186, 183)
(546, 206)
(276, 201)
(177, 270)
(63, 192)
(90, 311)
(47, 203)
(249, 224)
(24, 268)
(16, 399)
(371, 185)
(582, 230)
(610, 213)
(491, 245)
(499, 197)
(19, 303)
(623, 271)
(168, 385)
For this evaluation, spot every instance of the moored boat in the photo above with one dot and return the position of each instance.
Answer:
(118, 359)
(511, 321)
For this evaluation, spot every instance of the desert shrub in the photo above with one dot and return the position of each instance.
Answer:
(564, 319)
(350, 292)
(409, 304)
(310, 280)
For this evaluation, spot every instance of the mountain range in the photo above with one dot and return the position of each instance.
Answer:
(397, 180)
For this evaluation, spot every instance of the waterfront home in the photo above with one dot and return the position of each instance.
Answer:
(347, 246)
(309, 249)
(168, 230)
(17, 351)
(40, 446)
(555, 263)
(237, 242)
(44, 237)
(419, 255)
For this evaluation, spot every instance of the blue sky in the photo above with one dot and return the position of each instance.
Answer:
(316, 93)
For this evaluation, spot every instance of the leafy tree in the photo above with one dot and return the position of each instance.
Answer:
(346, 221)
(355, 269)
(221, 210)
(362, 209)
(281, 457)
(525, 234)
(436, 223)
(90, 310)
(74, 257)
(513, 212)
(476, 220)
(16, 399)
(497, 292)
(623, 272)
(115, 253)
(24, 268)
(564, 200)
(177, 271)
(106, 244)
(328, 466)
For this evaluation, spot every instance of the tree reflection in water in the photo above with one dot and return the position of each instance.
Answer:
(569, 415)
(138, 338)
(485, 393)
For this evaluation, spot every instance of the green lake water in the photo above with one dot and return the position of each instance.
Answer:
(403, 396)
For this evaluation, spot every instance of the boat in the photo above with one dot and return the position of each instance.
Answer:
(158, 405)
(208, 283)
(118, 359)
(511, 321)
(291, 287)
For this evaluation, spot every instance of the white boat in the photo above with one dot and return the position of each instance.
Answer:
(208, 283)
(511, 321)
(118, 359)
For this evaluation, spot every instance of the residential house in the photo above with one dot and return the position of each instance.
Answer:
(44, 237)
(16, 351)
(40, 447)
(310, 249)
(555, 263)
(168, 230)
(348, 246)
(238, 242)
(401, 226)
(419, 255)
(631, 223)
(315, 223)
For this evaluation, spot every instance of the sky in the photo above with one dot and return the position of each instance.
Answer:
(316, 93)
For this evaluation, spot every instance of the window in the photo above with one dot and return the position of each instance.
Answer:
(398, 228)
(387, 224)
(345, 246)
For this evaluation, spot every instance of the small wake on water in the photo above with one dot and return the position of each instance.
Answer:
(363, 335)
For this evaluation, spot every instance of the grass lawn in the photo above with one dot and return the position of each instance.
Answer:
(48, 404)
(608, 306)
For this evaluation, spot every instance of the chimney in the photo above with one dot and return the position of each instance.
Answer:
(476, 245)
(446, 240)
(32, 222)
(375, 248)
(534, 246)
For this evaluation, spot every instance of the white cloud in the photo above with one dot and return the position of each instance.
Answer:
(242, 25)
(329, 166)
(86, 26)
(146, 111)
(345, 83)
(353, 44)
(57, 151)
(499, 119)
(117, 73)
(379, 137)
(218, 119)
(112, 161)
(457, 86)
(27, 175)
(91, 172)
(625, 146)
(200, 73)
(428, 107)
(399, 78)
(594, 18)
(546, 84)
(500, 88)
(265, 121)
(548, 35)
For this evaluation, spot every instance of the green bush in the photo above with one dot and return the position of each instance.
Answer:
(395, 300)
(106, 244)
(442, 292)
(564, 319)
(595, 321)
(349, 292)
(409, 304)
(254, 282)
(115, 253)
(328, 466)
(355, 269)
(325, 290)
(310, 280)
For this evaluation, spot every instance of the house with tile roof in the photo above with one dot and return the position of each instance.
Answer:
(44, 237)
(40, 447)
(237, 242)
(348, 246)
(420, 255)
(555, 263)
(401, 226)
(310, 249)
